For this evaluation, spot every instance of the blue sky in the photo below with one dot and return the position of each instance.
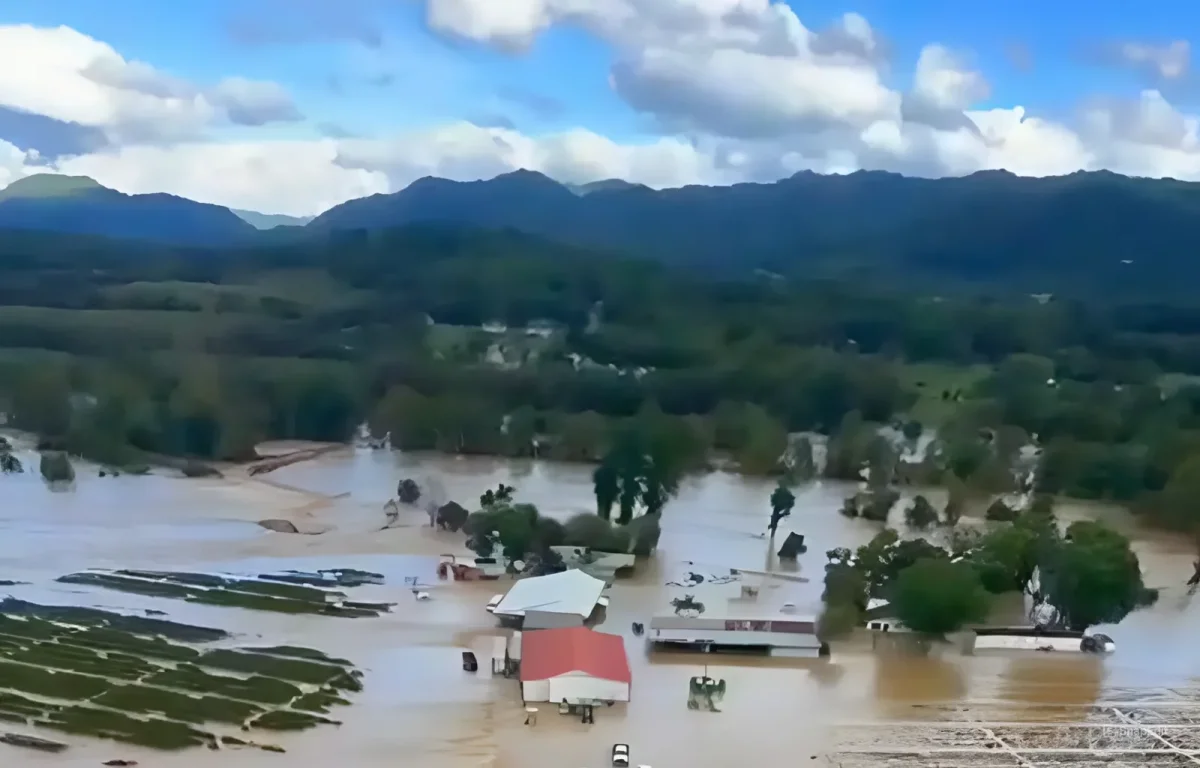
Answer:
(415, 78)
(303, 103)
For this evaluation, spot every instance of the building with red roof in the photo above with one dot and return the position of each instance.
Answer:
(577, 664)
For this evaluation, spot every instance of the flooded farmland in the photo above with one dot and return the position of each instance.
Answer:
(418, 705)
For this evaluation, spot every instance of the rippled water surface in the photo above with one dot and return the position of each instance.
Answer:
(420, 708)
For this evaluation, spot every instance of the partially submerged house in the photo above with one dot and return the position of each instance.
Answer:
(772, 635)
(560, 599)
(1025, 638)
(602, 565)
(576, 665)
(880, 619)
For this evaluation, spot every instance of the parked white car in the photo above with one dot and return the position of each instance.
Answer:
(620, 755)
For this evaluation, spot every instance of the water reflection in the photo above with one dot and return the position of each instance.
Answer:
(1063, 688)
(917, 675)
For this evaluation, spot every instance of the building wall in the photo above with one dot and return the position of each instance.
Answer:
(721, 637)
(781, 625)
(1025, 643)
(550, 620)
(514, 646)
(535, 690)
(795, 653)
(575, 687)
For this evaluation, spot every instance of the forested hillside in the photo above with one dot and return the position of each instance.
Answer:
(1077, 233)
(78, 205)
(501, 343)
(1086, 234)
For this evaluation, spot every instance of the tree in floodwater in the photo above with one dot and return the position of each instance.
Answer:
(9, 464)
(999, 512)
(882, 559)
(920, 514)
(804, 465)
(408, 492)
(845, 596)
(956, 501)
(848, 448)
(937, 596)
(1175, 506)
(782, 501)
(1005, 558)
(503, 494)
(636, 472)
(514, 529)
(607, 486)
(56, 467)
(1094, 577)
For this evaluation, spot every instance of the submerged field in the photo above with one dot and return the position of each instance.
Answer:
(161, 684)
(290, 592)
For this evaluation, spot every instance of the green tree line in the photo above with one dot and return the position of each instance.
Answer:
(118, 349)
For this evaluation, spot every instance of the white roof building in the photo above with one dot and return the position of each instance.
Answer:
(572, 592)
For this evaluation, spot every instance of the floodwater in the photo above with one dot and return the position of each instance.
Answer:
(420, 708)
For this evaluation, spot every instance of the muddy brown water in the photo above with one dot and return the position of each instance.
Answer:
(419, 708)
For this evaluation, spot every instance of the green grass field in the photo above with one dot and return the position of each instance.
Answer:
(97, 330)
(303, 289)
(929, 380)
(452, 340)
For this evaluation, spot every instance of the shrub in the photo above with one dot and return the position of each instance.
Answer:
(56, 467)
(999, 512)
(920, 514)
(594, 532)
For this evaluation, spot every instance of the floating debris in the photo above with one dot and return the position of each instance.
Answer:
(279, 526)
(142, 681)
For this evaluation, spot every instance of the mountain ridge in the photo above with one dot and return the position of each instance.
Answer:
(265, 221)
(1045, 233)
(80, 205)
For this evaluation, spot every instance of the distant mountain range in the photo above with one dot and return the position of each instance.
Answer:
(79, 205)
(1041, 232)
(270, 220)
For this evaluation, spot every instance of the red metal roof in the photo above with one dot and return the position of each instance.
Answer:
(547, 653)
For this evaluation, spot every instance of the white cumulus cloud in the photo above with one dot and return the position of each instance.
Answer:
(741, 90)
(68, 76)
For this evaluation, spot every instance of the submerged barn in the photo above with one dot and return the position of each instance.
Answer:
(571, 595)
(575, 664)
